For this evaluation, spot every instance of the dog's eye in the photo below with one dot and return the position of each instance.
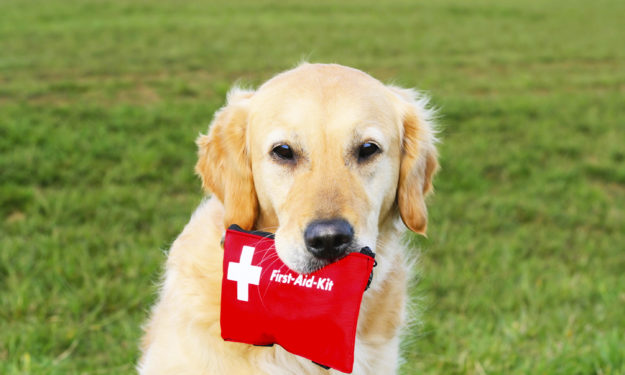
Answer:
(366, 150)
(283, 152)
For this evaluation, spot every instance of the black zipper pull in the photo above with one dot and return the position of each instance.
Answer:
(367, 251)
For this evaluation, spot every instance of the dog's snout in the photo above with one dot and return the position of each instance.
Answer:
(328, 239)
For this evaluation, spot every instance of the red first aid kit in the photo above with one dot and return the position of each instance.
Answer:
(312, 315)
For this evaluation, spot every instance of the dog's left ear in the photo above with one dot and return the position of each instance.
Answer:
(224, 164)
(419, 158)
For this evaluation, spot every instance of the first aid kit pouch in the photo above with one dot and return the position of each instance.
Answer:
(311, 315)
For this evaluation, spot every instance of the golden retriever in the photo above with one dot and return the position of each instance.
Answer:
(331, 160)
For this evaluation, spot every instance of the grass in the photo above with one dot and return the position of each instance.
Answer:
(524, 268)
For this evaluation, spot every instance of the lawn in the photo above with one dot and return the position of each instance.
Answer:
(523, 271)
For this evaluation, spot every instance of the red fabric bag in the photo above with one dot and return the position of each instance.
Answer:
(312, 315)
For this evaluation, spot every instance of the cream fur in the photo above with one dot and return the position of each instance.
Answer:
(183, 333)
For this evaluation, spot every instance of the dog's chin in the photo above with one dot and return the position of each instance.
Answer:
(303, 263)
(312, 264)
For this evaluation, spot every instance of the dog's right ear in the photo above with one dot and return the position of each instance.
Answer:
(224, 164)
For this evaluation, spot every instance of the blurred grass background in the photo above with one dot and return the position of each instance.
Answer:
(100, 102)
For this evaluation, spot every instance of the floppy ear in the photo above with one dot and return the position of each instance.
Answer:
(224, 164)
(418, 159)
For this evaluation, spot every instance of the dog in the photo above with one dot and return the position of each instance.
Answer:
(330, 160)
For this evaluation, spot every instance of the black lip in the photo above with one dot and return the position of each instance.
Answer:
(320, 263)
(254, 232)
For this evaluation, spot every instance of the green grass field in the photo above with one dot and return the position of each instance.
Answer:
(100, 102)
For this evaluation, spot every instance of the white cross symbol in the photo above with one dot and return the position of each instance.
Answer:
(244, 273)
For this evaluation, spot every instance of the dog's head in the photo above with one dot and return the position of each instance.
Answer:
(325, 156)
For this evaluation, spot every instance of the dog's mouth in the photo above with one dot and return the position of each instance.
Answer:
(308, 263)
(313, 264)
(322, 242)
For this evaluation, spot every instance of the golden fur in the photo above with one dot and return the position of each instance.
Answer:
(324, 112)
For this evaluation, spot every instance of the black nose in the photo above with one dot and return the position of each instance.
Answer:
(328, 239)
